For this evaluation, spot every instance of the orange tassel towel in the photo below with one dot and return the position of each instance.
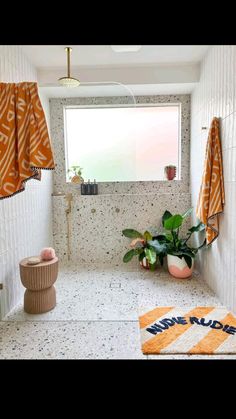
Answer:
(212, 196)
(25, 146)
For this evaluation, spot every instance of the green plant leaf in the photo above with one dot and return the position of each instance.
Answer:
(198, 227)
(183, 243)
(141, 256)
(169, 237)
(187, 213)
(160, 237)
(150, 255)
(165, 217)
(157, 246)
(188, 260)
(161, 258)
(138, 250)
(183, 252)
(152, 266)
(128, 256)
(147, 236)
(178, 244)
(173, 222)
(132, 234)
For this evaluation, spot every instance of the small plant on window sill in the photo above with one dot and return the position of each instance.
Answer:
(75, 174)
(170, 172)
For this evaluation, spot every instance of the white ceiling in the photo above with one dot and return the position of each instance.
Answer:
(49, 56)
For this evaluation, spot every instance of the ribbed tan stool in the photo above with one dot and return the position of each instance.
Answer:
(40, 294)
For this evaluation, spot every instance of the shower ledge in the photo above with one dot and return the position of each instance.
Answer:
(77, 195)
(133, 194)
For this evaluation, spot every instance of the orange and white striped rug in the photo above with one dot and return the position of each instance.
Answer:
(192, 330)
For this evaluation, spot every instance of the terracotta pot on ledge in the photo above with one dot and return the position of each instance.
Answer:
(77, 179)
(170, 172)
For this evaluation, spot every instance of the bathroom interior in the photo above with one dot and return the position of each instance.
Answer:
(119, 119)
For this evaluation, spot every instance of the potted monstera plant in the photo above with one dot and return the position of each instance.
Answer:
(140, 247)
(170, 243)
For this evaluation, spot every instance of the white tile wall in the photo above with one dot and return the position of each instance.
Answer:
(25, 219)
(216, 96)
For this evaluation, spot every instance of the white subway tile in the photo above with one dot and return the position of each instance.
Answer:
(218, 85)
(26, 224)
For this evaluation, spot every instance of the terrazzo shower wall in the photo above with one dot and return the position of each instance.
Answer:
(91, 233)
(216, 96)
(25, 219)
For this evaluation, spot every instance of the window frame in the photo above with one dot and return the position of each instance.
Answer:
(126, 105)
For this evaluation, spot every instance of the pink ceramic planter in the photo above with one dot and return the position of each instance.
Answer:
(178, 267)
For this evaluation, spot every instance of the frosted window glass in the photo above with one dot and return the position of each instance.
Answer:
(122, 143)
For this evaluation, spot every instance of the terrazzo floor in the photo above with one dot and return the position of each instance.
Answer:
(96, 316)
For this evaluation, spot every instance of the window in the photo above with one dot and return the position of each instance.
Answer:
(123, 143)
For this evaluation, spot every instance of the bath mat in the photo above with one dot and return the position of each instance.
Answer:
(188, 330)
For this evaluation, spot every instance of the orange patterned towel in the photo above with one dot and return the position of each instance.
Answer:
(25, 146)
(212, 196)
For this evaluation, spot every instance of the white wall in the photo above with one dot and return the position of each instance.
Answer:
(25, 219)
(216, 96)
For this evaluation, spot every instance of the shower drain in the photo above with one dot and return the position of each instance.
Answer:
(115, 285)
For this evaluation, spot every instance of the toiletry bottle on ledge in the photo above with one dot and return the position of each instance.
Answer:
(89, 188)
(83, 188)
(95, 187)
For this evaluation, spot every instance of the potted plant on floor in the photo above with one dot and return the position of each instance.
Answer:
(140, 247)
(180, 255)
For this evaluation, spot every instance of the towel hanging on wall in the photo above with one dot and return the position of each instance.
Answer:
(25, 146)
(211, 198)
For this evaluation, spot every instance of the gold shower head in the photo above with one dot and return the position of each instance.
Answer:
(68, 81)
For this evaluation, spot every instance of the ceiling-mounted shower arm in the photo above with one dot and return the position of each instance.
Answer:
(68, 81)
(68, 51)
